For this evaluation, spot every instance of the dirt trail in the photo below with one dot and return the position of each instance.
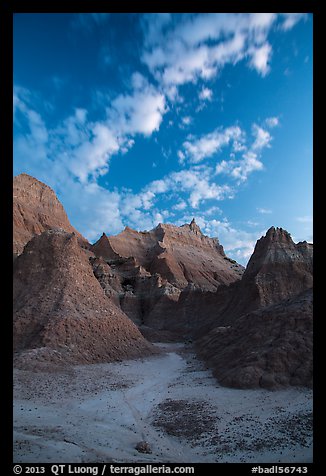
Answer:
(98, 413)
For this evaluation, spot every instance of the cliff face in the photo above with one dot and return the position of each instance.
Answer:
(61, 311)
(181, 255)
(36, 209)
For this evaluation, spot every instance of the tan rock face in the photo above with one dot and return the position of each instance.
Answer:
(181, 255)
(153, 267)
(270, 347)
(36, 209)
(60, 305)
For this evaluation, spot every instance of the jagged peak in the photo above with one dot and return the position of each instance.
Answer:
(277, 232)
(194, 227)
(128, 229)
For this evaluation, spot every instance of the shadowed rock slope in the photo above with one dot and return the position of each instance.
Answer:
(278, 269)
(270, 347)
(61, 313)
(36, 208)
(260, 333)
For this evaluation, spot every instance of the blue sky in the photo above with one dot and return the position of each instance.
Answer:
(136, 119)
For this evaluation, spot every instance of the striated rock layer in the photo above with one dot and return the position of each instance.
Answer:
(61, 310)
(36, 208)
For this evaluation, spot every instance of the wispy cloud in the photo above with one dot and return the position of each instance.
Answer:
(139, 112)
(264, 211)
(305, 219)
(196, 183)
(272, 121)
(260, 58)
(262, 138)
(291, 19)
(198, 149)
(198, 47)
(205, 94)
(185, 121)
(71, 156)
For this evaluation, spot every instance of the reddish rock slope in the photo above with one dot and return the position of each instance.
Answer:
(181, 255)
(61, 309)
(36, 209)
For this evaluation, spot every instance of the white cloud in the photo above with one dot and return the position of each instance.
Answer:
(249, 164)
(196, 183)
(177, 52)
(180, 205)
(252, 223)
(140, 112)
(91, 157)
(181, 156)
(196, 150)
(212, 211)
(186, 120)
(260, 58)
(237, 243)
(272, 121)
(262, 138)
(37, 127)
(305, 219)
(291, 19)
(264, 211)
(71, 156)
(205, 94)
(206, 146)
(154, 25)
(240, 169)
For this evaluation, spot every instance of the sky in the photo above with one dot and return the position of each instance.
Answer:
(139, 119)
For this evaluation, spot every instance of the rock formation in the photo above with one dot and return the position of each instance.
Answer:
(153, 267)
(278, 269)
(260, 333)
(73, 302)
(270, 347)
(181, 255)
(36, 209)
(61, 311)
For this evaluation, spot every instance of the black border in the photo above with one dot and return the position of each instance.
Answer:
(8, 10)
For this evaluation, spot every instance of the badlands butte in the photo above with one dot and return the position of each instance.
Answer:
(77, 302)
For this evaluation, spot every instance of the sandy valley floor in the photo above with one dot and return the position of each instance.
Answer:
(98, 413)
